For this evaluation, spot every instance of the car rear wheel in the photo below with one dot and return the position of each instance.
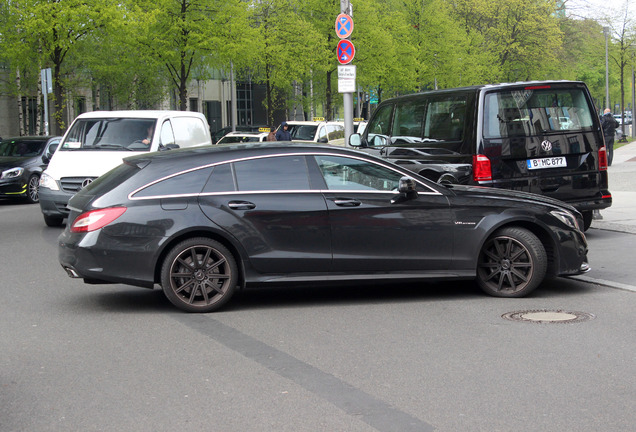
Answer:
(199, 275)
(512, 263)
(587, 219)
(32, 189)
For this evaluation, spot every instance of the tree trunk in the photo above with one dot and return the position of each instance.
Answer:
(19, 94)
(328, 108)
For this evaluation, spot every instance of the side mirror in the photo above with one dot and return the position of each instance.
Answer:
(355, 140)
(407, 185)
(407, 189)
(323, 140)
(380, 141)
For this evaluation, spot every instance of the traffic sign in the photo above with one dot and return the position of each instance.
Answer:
(344, 26)
(346, 51)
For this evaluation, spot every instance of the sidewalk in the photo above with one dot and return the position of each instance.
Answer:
(621, 216)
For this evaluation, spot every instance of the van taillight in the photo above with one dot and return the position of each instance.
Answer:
(602, 159)
(481, 168)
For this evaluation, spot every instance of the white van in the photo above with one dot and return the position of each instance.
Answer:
(97, 141)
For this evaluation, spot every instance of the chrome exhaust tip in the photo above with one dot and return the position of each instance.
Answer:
(585, 267)
(71, 273)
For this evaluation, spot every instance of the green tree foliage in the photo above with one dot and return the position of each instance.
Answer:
(52, 30)
(136, 49)
(186, 34)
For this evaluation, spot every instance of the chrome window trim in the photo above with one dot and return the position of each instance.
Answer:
(131, 196)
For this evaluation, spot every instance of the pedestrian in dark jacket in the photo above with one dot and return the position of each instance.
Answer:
(283, 132)
(609, 125)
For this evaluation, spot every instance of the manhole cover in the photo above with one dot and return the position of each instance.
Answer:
(548, 316)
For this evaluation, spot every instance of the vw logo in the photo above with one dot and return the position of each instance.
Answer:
(546, 145)
(86, 182)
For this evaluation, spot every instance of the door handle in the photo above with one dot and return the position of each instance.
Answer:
(241, 205)
(346, 202)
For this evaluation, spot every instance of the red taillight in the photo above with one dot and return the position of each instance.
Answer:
(481, 168)
(96, 219)
(602, 159)
(537, 87)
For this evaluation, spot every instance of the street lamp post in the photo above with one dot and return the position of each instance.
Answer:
(606, 33)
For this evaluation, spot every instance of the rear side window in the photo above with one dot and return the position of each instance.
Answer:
(187, 183)
(530, 112)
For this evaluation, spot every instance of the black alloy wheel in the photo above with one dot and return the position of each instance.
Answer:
(32, 191)
(512, 263)
(199, 275)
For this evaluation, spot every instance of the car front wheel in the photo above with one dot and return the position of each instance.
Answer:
(199, 275)
(32, 189)
(512, 263)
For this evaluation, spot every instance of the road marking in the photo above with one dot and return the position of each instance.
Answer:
(606, 283)
(355, 402)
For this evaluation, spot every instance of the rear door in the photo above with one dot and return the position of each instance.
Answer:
(543, 139)
(268, 205)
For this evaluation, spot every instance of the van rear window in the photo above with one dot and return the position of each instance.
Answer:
(532, 112)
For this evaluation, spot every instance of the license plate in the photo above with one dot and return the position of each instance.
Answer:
(549, 162)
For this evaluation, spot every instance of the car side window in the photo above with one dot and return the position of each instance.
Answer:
(188, 183)
(407, 123)
(272, 173)
(381, 123)
(322, 134)
(343, 173)
(167, 135)
(221, 179)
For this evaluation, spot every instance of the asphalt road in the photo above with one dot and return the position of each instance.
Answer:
(435, 357)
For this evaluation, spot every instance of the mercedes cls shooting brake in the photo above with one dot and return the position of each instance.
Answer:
(205, 222)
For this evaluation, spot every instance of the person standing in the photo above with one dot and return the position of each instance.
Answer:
(271, 136)
(609, 125)
(283, 132)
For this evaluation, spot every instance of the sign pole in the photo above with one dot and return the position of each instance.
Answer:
(347, 98)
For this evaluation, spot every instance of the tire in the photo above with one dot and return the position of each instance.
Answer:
(53, 221)
(32, 194)
(512, 263)
(199, 275)
(587, 219)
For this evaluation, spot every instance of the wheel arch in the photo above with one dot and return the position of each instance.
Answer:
(542, 233)
(200, 232)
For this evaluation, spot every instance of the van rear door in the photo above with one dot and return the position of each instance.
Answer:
(544, 139)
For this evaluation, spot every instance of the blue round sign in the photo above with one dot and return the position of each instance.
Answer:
(346, 51)
(344, 26)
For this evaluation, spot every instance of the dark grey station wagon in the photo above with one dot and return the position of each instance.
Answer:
(206, 221)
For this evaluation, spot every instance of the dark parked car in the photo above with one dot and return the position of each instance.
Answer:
(22, 161)
(202, 222)
(542, 137)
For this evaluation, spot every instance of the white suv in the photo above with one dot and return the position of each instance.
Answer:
(318, 131)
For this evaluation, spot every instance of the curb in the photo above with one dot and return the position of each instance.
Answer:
(603, 282)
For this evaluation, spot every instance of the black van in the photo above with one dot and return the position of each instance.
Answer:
(541, 137)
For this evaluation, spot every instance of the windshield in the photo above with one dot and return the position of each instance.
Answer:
(303, 132)
(21, 148)
(535, 111)
(110, 134)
